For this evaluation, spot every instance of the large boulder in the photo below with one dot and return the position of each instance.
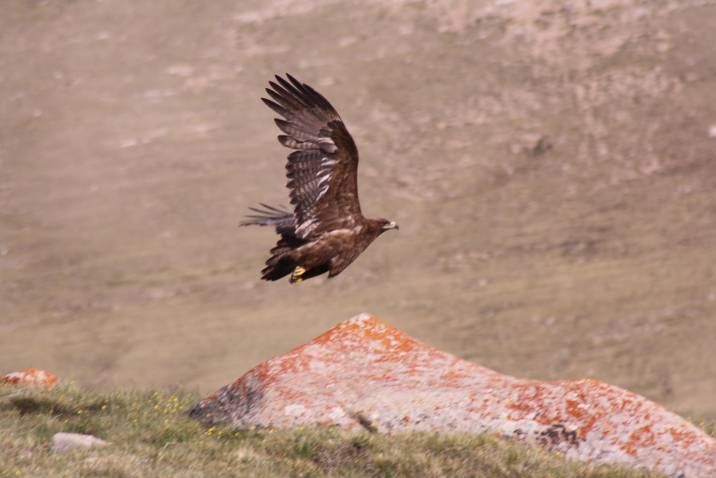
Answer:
(365, 374)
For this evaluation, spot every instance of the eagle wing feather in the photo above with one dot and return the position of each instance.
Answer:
(322, 171)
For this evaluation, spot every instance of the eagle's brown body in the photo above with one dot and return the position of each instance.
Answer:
(326, 231)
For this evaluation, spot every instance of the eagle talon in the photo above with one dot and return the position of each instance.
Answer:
(296, 275)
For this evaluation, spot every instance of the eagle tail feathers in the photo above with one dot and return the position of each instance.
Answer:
(268, 216)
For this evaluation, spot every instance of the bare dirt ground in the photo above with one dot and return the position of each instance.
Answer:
(550, 164)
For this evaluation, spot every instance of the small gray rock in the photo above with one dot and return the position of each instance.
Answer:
(64, 442)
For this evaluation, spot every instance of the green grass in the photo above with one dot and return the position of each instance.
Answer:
(150, 435)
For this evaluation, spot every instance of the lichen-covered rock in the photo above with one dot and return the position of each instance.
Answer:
(366, 374)
(32, 376)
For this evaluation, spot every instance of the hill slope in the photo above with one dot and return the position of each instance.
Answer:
(549, 163)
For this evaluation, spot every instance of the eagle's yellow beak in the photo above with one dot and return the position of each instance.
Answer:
(391, 225)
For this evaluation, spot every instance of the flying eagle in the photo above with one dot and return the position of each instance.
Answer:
(326, 230)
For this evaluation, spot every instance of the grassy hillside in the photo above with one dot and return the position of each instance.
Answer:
(150, 436)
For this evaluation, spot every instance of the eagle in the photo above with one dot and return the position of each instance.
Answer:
(326, 230)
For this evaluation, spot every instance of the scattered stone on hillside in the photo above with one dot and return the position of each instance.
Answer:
(31, 376)
(364, 374)
(64, 442)
(180, 70)
(532, 144)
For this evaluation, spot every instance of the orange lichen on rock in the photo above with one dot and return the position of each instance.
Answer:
(638, 439)
(364, 373)
(31, 376)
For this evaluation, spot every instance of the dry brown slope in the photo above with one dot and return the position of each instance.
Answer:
(132, 140)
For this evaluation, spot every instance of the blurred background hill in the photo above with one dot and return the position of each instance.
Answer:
(551, 164)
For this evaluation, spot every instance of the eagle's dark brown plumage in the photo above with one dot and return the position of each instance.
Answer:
(326, 230)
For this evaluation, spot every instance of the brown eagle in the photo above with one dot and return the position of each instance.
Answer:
(326, 230)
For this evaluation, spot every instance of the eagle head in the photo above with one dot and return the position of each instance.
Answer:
(386, 225)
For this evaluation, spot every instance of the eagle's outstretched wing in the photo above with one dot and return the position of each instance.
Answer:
(322, 172)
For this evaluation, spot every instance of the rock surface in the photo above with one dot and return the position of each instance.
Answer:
(64, 442)
(366, 374)
(32, 376)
